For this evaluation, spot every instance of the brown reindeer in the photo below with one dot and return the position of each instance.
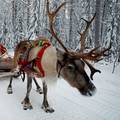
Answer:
(54, 62)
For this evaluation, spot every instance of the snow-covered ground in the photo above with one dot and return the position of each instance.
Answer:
(68, 103)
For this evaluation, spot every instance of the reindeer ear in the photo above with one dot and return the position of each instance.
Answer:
(60, 54)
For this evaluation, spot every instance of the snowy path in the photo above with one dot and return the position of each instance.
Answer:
(67, 101)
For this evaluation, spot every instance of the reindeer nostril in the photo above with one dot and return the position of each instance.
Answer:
(88, 90)
(91, 86)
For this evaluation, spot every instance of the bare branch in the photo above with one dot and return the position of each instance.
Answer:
(58, 9)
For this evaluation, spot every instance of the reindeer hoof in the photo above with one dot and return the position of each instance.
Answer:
(26, 105)
(9, 90)
(48, 109)
(39, 90)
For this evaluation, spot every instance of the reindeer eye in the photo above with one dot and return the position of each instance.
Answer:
(71, 67)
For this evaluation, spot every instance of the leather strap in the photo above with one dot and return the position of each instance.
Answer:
(39, 58)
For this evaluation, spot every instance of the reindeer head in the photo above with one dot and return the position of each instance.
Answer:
(71, 63)
(72, 70)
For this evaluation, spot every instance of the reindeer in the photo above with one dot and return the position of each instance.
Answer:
(6, 67)
(55, 62)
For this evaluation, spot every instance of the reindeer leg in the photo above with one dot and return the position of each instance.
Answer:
(38, 88)
(26, 102)
(45, 104)
(9, 89)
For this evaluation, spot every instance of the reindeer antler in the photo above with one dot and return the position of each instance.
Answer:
(84, 33)
(94, 54)
(52, 16)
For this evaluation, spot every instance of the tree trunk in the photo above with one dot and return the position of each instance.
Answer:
(71, 23)
(28, 16)
(97, 23)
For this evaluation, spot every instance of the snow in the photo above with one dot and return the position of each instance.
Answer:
(68, 103)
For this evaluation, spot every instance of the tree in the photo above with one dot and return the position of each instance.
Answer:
(97, 23)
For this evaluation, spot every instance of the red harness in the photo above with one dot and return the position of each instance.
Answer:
(26, 65)
(39, 58)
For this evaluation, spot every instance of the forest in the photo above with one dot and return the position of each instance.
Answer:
(21, 18)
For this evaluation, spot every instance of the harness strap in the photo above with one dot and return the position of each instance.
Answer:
(39, 58)
(28, 65)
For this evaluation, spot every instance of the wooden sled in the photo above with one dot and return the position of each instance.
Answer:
(6, 63)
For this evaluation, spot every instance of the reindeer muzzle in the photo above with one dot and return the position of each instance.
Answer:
(89, 90)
